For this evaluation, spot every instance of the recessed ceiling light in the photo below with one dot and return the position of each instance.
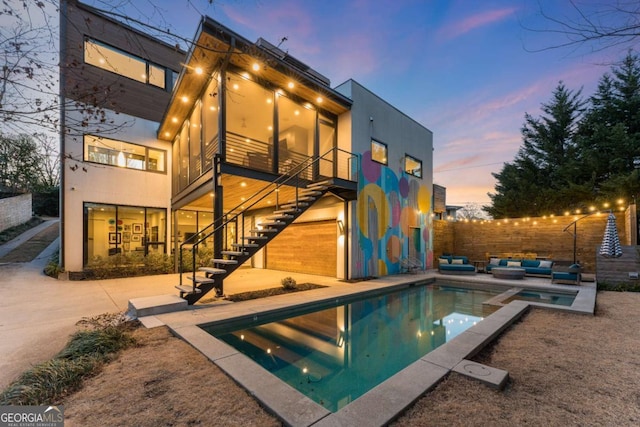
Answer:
(198, 70)
(291, 85)
(185, 99)
(256, 66)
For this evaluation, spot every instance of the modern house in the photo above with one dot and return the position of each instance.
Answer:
(237, 152)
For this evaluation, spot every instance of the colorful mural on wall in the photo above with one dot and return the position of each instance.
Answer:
(394, 217)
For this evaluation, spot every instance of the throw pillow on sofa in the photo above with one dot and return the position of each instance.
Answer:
(494, 261)
(443, 260)
(545, 264)
(513, 264)
(457, 261)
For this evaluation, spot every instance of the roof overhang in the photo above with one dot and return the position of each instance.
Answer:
(216, 45)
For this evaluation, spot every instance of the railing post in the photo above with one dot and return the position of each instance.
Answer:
(218, 214)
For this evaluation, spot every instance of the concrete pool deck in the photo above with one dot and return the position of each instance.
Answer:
(386, 401)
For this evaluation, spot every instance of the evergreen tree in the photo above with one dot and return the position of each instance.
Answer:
(610, 133)
(544, 166)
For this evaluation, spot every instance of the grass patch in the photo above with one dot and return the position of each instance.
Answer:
(84, 355)
(621, 287)
(13, 232)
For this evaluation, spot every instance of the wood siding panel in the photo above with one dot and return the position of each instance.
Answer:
(543, 236)
(95, 86)
(308, 248)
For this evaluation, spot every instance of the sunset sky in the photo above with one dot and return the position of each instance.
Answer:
(467, 70)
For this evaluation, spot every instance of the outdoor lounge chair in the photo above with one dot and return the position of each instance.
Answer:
(569, 277)
(410, 265)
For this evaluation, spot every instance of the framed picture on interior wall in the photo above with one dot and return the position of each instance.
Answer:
(125, 246)
(126, 236)
(137, 228)
(135, 238)
(115, 238)
(127, 227)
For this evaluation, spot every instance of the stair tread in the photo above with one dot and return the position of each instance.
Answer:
(234, 253)
(310, 193)
(282, 216)
(212, 270)
(245, 245)
(294, 205)
(264, 230)
(269, 224)
(255, 238)
(188, 289)
(224, 261)
(203, 280)
(302, 199)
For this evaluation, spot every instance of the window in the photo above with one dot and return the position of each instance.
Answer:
(122, 63)
(123, 154)
(412, 166)
(115, 229)
(379, 152)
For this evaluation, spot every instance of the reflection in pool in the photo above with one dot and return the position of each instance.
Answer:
(337, 354)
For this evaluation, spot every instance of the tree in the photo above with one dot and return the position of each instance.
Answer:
(470, 211)
(609, 137)
(19, 163)
(598, 26)
(543, 168)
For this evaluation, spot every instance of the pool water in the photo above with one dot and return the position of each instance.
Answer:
(544, 297)
(337, 354)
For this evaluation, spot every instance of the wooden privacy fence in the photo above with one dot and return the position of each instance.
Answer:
(549, 237)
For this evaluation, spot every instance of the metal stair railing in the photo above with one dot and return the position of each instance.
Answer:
(236, 214)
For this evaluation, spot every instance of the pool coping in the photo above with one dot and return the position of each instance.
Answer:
(388, 400)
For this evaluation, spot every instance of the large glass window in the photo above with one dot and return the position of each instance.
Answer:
(123, 154)
(184, 158)
(195, 139)
(327, 142)
(412, 166)
(113, 229)
(117, 61)
(210, 121)
(379, 152)
(296, 125)
(249, 122)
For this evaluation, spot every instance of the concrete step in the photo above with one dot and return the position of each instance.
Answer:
(202, 280)
(149, 306)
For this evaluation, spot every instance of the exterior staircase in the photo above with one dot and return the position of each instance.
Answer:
(205, 279)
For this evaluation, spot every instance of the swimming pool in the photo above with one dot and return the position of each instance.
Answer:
(336, 354)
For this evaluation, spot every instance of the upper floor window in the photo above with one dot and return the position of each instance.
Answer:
(412, 166)
(120, 62)
(123, 154)
(379, 152)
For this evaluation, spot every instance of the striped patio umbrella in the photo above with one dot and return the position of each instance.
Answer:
(610, 247)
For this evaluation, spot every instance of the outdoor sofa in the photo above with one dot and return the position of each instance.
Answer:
(532, 267)
(569, 277)
(455, 264)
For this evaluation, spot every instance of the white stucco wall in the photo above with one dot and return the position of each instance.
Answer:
(96, 183)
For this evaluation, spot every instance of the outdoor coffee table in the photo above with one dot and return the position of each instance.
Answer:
(513, 273)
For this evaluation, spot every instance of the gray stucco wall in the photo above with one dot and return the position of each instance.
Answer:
(15, 211)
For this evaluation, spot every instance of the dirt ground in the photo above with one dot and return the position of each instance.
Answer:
(565, 369)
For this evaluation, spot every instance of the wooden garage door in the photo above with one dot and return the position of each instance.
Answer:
(308, 247)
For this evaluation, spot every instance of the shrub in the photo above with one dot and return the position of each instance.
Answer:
(52, 269)
(83, 356)
(128, 265)
(288, 283)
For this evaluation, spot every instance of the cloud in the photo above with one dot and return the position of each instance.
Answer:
(473, 22)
